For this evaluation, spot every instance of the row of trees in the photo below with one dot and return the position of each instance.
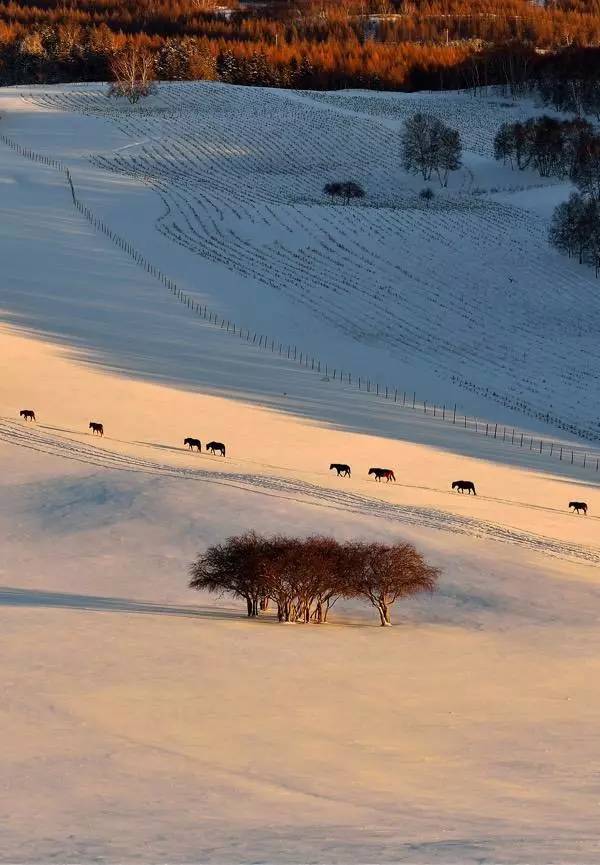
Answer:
(553, 147)
(304, 577)
(576, 95)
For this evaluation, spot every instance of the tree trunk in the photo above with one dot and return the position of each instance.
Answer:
(384, 614)
(250, 606)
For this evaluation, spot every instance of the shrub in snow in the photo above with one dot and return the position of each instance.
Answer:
(427, 195)
(347, 190)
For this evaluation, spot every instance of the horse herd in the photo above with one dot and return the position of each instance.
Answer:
(342, 469)
(98, 429)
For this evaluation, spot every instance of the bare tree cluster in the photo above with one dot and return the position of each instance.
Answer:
(576, 95)
(429, 146)
(133, 73)
(304, 577)
(346, 190)
(575, 229)
(554, 148)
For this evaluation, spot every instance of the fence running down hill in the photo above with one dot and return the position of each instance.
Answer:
(402, 397)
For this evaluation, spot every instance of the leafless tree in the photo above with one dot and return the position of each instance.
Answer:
(133, 73)
(236, 567)
(385, 573)
(586, 171)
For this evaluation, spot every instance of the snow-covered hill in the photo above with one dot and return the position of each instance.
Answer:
(143, 722)
(461, 298)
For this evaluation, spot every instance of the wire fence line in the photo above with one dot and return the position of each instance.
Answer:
(403, 398)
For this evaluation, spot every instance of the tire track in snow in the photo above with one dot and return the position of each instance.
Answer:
(298, 490)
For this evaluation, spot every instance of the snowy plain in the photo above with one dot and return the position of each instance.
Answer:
(143, 722)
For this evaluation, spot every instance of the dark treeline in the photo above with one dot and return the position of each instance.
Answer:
(304, 577)
(553, 147)
(562, 148)
(325, 44)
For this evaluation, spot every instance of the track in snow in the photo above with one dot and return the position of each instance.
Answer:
(289, 488)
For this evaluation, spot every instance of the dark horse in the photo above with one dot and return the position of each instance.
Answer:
(27, 413)
(342, 469)
(579, 506)
(96, 428)
(388, 474)
(216, 446)
(461, 486)
(193, 443)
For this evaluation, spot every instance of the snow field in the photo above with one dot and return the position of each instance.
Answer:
(459, 290)
(143, 722)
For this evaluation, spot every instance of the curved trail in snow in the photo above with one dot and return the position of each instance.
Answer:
(35, 439)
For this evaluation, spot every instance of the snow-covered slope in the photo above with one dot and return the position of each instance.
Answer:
(142, 722)
(462, 298)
